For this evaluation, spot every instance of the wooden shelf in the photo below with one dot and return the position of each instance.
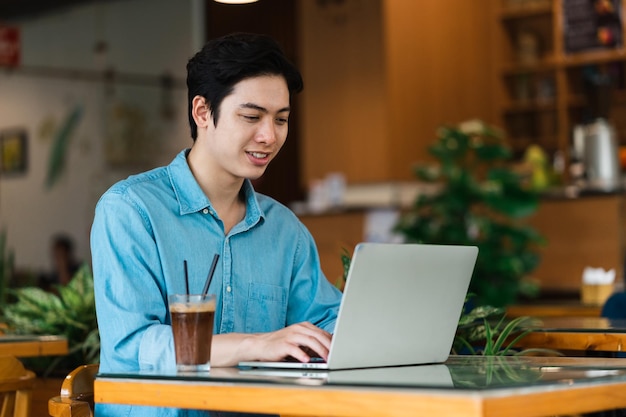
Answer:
(519, 144)
(545, 65)
(526, 12)
(529, 107)
(546, 123)
(593, 58)
(552, 63)
(576, 101)
(618, 98)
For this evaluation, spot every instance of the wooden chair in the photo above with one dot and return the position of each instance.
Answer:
(16, 386)
(76, 399)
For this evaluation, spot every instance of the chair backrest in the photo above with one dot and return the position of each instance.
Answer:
(76, 399)
(16, 383)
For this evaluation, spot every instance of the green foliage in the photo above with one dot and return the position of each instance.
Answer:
(345, 262)
(476, 336)
(480, 338)
(60, 146)
(470, 331)
(485, 330)
(70, 312)
(494, 370)
(480, 201)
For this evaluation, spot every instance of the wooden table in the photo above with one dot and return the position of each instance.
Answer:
(577, 333)
(30, 346)
(553, 310)
(469, 386)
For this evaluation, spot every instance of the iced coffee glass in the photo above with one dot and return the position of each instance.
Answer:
(192, 324)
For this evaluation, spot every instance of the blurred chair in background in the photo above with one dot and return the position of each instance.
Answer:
(16, 385)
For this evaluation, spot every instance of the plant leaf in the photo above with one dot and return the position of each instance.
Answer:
(60, 145)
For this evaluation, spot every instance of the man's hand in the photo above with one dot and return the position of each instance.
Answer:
(300, 341)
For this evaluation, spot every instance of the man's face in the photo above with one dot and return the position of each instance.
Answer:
(252, 126)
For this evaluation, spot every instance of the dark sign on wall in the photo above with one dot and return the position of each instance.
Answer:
(9, 46)
(592, 25)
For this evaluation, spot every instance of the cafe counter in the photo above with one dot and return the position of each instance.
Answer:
(587, 230)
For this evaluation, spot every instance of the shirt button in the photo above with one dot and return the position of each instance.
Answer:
(228, 289)
(205, 211)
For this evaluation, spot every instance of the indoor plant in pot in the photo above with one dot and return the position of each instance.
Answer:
(68, 311)
(480, 200)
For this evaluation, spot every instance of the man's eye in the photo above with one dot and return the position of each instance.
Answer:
(282, 120)
(250, 117)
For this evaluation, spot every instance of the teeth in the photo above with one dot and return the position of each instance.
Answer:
(258, 155)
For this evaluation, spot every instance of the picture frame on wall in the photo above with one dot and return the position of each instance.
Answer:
(13, 152)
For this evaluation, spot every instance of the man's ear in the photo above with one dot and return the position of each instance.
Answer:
(200, 111)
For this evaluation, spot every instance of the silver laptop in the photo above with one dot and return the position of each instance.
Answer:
(401, 306)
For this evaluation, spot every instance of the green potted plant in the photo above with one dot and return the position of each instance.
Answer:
(479, 200)
(69, 311)
(486, 330)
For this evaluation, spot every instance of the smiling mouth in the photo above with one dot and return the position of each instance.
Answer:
(258, 155)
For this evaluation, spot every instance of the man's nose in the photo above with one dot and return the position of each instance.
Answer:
(267, 132)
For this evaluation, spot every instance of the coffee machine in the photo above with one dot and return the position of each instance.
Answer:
(594, 146)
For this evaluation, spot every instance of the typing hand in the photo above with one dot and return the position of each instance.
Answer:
(313, 356)
(299, 341)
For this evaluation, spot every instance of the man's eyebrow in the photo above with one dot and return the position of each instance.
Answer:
(261, 108)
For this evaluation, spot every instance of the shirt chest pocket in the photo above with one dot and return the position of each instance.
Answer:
(267, 308)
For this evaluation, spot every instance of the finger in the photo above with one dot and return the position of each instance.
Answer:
(291, 340)
(314, 328)
(313, 348)
(311, 330)
(294, 353)
(283, 343)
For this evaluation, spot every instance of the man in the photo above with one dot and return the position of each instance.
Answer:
(273, 300)
(64, 263)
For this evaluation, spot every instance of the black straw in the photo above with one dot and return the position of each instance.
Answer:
(210, 276)
(186, 278)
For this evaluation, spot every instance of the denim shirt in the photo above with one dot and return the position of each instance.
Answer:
(145, 227)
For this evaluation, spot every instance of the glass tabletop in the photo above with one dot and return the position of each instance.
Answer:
(578, 324)
(13, 338)
(458, 372)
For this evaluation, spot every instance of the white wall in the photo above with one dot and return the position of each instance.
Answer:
(148, 37)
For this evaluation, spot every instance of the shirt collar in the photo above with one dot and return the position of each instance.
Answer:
(192, 199)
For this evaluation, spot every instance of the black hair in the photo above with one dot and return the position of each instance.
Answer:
(223, 62)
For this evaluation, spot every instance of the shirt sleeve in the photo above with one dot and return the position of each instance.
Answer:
(312, 298)
(129, 288)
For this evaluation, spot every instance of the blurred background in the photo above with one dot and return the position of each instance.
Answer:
(93, 91)
(121, 66)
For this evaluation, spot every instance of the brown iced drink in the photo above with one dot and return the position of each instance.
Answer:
(192, 325)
